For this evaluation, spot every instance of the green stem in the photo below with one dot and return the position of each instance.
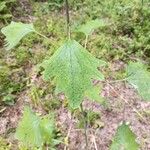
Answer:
(67, 18)
(86, 41)
(85, 125)
(41, 35)
(115, 81)
(142, 11)
(142, 2)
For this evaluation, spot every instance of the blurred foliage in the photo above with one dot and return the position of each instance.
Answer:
(4, 144)
(12, 81)
(129, 31)
(5, 9)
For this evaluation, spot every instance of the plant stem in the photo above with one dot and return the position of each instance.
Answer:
(41, 35)
(67, 18)
(142, 2)
(142, 11)
(86, 41)
(85, 125)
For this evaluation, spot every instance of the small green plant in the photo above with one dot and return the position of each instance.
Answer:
(35, 93)
(72, 68)
(10, 83)
(36, 132)
(93, 120)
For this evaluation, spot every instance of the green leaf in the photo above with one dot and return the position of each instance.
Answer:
(47, 128)
(28, 130)
(73, 68)
(15, 32)
(90, 26)
(94, 94)
(139, 77)
(34, 131)
(124, 139)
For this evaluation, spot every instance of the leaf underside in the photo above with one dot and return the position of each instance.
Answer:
(14, 32)
(73, 68)
(124, 139)
(139, 77)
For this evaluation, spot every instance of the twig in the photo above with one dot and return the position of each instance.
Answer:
(93, 137)
(69, 131)
(94, 142)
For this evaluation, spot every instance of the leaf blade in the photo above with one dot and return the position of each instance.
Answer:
(124, 139)
(28, 130)
(139, 77)
(94, 94)
(90, 26)
(14, 32)
(73, 67)
(34, 131)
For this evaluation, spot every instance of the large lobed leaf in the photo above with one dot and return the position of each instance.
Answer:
(139, 77)
(34, 131)
(124, 139)
(73, 68)
(14, 32)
